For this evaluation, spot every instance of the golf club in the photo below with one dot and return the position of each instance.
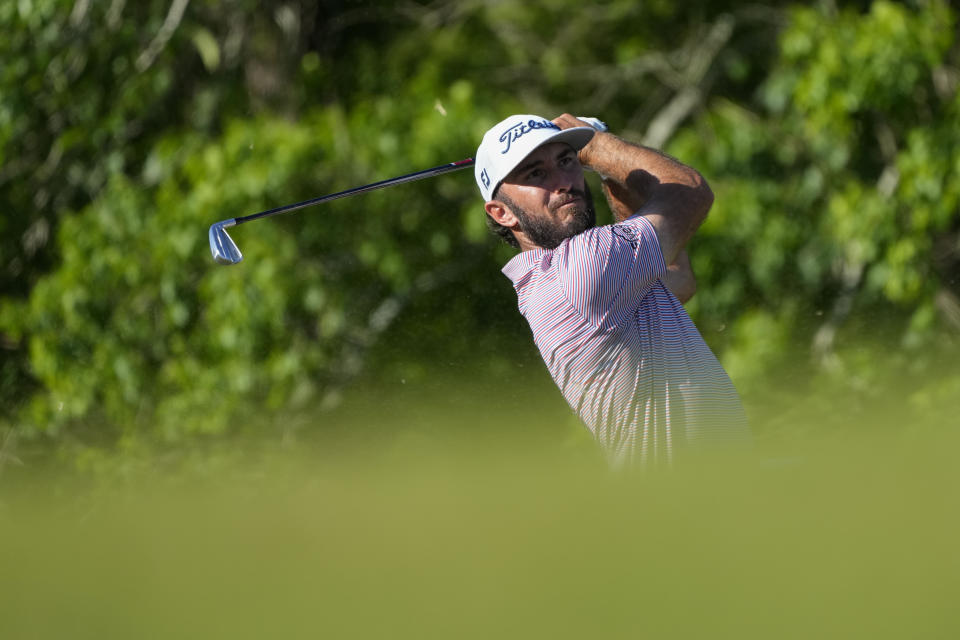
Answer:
(225, 250)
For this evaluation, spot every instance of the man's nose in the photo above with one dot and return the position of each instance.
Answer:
(562, 182)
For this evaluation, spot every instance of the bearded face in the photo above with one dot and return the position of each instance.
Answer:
(549, 229)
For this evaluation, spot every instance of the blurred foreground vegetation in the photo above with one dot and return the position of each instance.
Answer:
(828, 271)
(472, 537)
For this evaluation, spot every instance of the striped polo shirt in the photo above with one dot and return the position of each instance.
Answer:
(621, 347)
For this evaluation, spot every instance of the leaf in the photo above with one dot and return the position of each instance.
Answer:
(207, 47)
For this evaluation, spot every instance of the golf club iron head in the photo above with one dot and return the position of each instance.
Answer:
(222, 246)
(225, 250)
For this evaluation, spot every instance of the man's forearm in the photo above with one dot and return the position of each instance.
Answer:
(633, 171)
(673, 197)
(627, 191)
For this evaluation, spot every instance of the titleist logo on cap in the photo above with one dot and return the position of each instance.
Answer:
(518, 130)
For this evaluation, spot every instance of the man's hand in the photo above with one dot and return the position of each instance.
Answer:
(567, 121)
(680, 279)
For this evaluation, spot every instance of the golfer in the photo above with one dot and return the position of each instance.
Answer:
(605, 303)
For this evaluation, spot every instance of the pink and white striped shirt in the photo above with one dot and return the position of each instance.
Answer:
(621, 347)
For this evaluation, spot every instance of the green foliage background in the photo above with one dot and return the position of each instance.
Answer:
(828, 270)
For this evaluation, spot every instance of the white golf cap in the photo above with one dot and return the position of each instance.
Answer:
(511, 140)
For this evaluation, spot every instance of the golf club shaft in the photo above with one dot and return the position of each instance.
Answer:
(419, 175)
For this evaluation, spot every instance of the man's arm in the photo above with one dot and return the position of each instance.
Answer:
(673, 197)
(679, 279)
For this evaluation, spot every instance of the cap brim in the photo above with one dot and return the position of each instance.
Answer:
(576, 137)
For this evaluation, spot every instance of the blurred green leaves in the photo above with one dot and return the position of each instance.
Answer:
(822, 201)
(138, 326)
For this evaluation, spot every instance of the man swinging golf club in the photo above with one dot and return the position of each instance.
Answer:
(605, 303)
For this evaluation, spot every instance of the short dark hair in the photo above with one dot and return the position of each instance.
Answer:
(505, 233)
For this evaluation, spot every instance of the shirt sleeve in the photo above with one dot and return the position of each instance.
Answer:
(606, 271)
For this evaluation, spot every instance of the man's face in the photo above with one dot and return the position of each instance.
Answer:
(549, 196)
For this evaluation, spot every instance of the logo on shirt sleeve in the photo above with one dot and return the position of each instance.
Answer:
(627, 232)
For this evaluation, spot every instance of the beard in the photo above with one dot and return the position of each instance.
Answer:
(547, 231)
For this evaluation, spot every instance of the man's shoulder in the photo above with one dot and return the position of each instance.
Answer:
(521, 266)
(577, 251)
(598, 242)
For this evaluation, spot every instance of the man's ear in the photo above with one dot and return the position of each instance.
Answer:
(501, 214)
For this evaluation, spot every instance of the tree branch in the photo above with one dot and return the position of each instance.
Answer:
(690, 93)
(167, 29)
